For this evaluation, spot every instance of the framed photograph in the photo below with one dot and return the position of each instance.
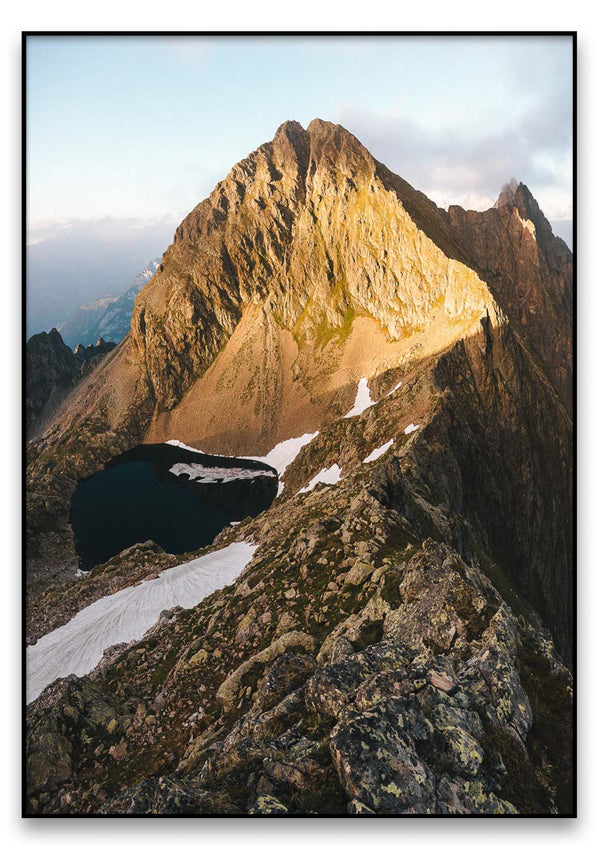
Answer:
(298, 424)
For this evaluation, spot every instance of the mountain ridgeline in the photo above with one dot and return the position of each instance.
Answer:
(423, 604)
(108, 317)
(52, 370)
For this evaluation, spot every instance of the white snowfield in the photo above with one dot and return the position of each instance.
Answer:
(363, 398)
(378, 452)
(362, 401)
(411, 428)
(329, 476)
(77, 647)
(216, 474)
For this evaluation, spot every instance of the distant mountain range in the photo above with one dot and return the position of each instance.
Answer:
(108, 317)
(85, 261)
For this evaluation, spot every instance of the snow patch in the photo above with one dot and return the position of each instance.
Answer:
(397, 386)
(77, 647)
(285, 452)
(378, 452)
(362, 401)
(411, 428)
(179, 444)
(329, 476)
(527, 224)
(218, 474)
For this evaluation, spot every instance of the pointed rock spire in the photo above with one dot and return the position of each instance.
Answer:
(507, 194)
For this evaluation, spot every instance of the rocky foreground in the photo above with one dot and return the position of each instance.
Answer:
(352, 669)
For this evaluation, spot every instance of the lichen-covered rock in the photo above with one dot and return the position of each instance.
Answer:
(169, 797)
(378, 765)
(392, 728)
(288, 672)
(229, 689)
(268, 806)
(460, 796)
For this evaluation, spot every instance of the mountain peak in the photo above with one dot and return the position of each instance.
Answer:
(319, 124)
(320, 136)
(290, 128)
(518, 195)
(271, 232)
(508, 194)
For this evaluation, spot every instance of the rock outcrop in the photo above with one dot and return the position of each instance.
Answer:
(530, 272)
(400, 642)
(52, 369)
(49, 369)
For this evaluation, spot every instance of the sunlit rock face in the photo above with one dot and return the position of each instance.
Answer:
(314, 230)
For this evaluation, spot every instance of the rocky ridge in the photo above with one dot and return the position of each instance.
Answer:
(52, 370)
(351, 669)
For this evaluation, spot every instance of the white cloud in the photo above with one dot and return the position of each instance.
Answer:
(452, 165)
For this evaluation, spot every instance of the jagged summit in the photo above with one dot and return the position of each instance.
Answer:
(518, 196)
(312, 227)
(289, 129)
(295, 153)
(507, 194)
(317, 127)
(53, 369)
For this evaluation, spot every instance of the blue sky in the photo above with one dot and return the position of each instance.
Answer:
(132, 127)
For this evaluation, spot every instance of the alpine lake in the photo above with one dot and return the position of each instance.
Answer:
(179, 498)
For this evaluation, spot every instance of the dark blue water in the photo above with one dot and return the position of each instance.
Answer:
(136, 498)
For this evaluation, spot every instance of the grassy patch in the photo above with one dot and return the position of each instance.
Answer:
(326, 333)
